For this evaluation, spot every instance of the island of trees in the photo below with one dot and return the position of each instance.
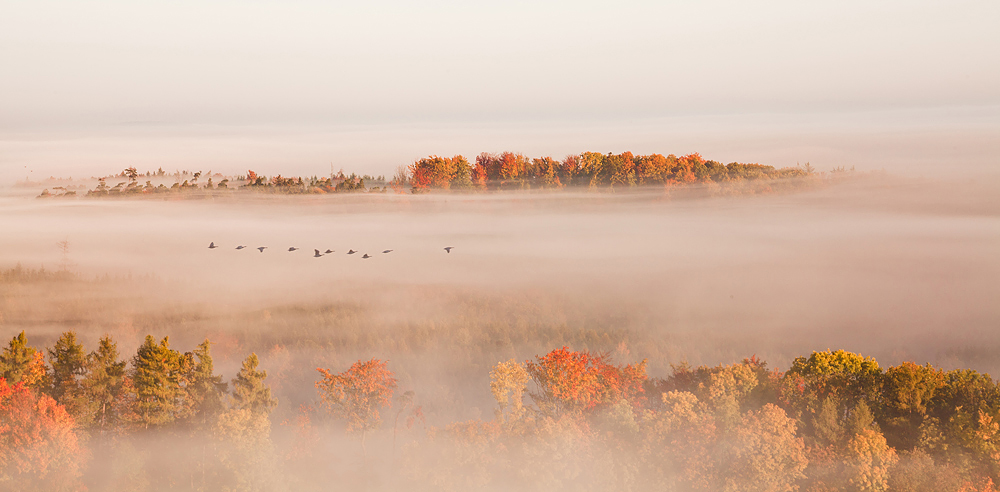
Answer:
(502, 171)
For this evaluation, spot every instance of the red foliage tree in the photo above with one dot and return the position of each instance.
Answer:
(440, 172)
(39, 448)
(579, 381)
(357, 394)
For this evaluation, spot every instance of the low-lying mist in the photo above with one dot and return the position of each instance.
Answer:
(896, 269)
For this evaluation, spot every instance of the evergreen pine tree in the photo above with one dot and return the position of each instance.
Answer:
(103, 385)
(20, 363)
(249, 390)
(244, 429)
(205, 390)
(69, 364)
(156, 377)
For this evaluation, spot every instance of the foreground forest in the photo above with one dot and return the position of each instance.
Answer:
(564, 420)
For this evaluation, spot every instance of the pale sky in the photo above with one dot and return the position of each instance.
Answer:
(88, 87)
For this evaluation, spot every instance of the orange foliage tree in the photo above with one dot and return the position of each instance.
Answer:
(357, 394)
(39, 448)
(577, 381)
(440, 172)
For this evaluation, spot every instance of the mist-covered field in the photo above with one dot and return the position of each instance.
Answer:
(892, 268)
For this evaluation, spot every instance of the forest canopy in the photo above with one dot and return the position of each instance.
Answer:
(579, 420)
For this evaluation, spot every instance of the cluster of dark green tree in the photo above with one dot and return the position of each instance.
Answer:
(128, 409)
(509, 170)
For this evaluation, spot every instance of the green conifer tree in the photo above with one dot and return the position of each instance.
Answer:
(156, 376)
(205, 390)
(103, 385)
(69, 364)
(244, 429)
(249, 390)
(20, 363)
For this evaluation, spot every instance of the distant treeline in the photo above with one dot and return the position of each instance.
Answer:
(503, 171)
(509, 170)
(565, 420)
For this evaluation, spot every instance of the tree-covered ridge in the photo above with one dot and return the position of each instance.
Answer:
(503, 171)
(565, 420)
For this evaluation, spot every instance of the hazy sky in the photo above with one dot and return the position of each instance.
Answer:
(295, 86)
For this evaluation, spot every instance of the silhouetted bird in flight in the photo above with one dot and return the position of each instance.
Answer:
(240, 247)
(317, 255)
(449, 248)
(351, 252)
(328, 251)
(262, 248)
(293, 248)
(366, 256)
(212, 245)
(387, 251)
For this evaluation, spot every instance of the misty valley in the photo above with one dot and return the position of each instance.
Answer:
(806, 331)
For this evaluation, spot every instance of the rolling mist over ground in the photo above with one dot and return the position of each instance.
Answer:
(898, 269)
(893, 268)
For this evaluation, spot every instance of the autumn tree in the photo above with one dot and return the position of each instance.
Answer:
(39, 447)
(508, 382)
(486, 170)
(848, 377)
(440, 172)
(908, 393)
(651, 169)
(762, 453)
(568, 169)
(868, 460)
(679, 444)
(545, 171)
(569, 381)
(591, 169)
(357, 394)
(619, 169)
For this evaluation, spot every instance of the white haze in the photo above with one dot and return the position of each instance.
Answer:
(897, 269)
(91, 87)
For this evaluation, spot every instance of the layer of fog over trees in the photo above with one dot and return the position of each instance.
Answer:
(895, 268)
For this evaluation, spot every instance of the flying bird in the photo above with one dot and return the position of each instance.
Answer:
(212, 245)
(366, 256)
(351, 252)
(387, 251)
(317, 255)
(449, 248)
(293, 248)
(262, 248)
(328, 251)
(240, 247)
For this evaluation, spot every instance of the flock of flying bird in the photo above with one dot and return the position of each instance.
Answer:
(317, 253)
